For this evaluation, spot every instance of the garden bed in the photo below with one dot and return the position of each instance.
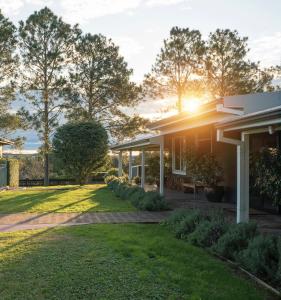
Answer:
(257, 255)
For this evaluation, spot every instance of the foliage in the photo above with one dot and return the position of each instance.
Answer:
(266, 172)
(228, 70)
(207, 233)
(151, 201)
(100, 85)
(235, 239)
(13, 172)
(175, 218)
(261, 257)
(204, 168)
(46, 44)
(109, 178)
(8, 66)
(82, 148)
(113, 171)
(180, 58)
(137, 180)
(187, 223)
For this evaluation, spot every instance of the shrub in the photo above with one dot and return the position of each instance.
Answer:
(152, 201)
(188, 223)
(137, 180)
(136, 195)
(208, 232)
(13, 172)
(112, 172)
(261, 257)
(175, 218)
(235, 239)
(150, 180)
(109, 178)
(278, 274)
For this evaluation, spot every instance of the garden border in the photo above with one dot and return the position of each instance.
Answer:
(249, 274)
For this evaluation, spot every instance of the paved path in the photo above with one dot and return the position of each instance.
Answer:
(22, 221)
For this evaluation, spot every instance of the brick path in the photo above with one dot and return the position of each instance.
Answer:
(21, 221)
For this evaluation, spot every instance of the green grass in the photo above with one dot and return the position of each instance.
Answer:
(89, 198)
(114, 262)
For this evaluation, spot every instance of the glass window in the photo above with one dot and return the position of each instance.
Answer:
(178, 155)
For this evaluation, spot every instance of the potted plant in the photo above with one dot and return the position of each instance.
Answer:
(209, 173)
(266, 173)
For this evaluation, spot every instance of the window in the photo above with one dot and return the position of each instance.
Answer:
(178, 152)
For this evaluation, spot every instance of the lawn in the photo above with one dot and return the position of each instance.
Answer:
(114, 262)
(89, 198)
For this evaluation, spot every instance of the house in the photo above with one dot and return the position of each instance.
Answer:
(4, 142)
(229, 128)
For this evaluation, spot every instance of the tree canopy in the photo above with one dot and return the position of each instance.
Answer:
(46, 44)
(100, 86)
(217, 67)
(81, 147)
(8, 66)
(228, 70)
(178, 63)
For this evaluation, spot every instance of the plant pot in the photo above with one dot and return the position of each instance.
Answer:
(214, 193)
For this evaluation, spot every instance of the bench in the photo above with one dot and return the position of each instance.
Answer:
(194, 186)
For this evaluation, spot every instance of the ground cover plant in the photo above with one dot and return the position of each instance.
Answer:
(129, 261)
(90, 198)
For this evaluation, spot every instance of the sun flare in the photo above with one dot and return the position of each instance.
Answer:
(191, 105)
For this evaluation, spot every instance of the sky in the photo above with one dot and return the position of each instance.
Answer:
(140, 26)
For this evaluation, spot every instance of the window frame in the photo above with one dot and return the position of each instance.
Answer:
(182, 151)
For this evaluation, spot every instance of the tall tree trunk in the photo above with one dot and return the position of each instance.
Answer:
(46, 139)
(179, 104)
(46, 169)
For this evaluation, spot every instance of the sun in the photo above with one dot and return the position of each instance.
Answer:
(191, 105)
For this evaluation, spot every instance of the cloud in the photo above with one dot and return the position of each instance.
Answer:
(163, 2)
(84, 10)
(11, 7)
(266, 49)
(129, 47)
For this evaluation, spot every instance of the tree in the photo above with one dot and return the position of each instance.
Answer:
(100, 85)
(81, 147)
(178, 63)
(46, 44)
(8, 65)
(228, 71)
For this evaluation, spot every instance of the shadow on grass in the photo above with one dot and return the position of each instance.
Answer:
(114, 262)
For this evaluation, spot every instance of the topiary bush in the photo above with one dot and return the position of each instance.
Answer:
(235, 239)
(208, 231)
(261, 257)
(188, 223)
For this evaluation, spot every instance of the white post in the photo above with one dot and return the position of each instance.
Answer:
(120, 171)
(142, 168)
(161, 175)
(243, 180)
(130, 165)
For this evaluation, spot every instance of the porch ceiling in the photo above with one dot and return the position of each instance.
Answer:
(149, 143)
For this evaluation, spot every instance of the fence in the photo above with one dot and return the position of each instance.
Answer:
(3, 173)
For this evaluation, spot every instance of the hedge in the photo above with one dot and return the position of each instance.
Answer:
(242, 243)
(12, 172)
(151, 201)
